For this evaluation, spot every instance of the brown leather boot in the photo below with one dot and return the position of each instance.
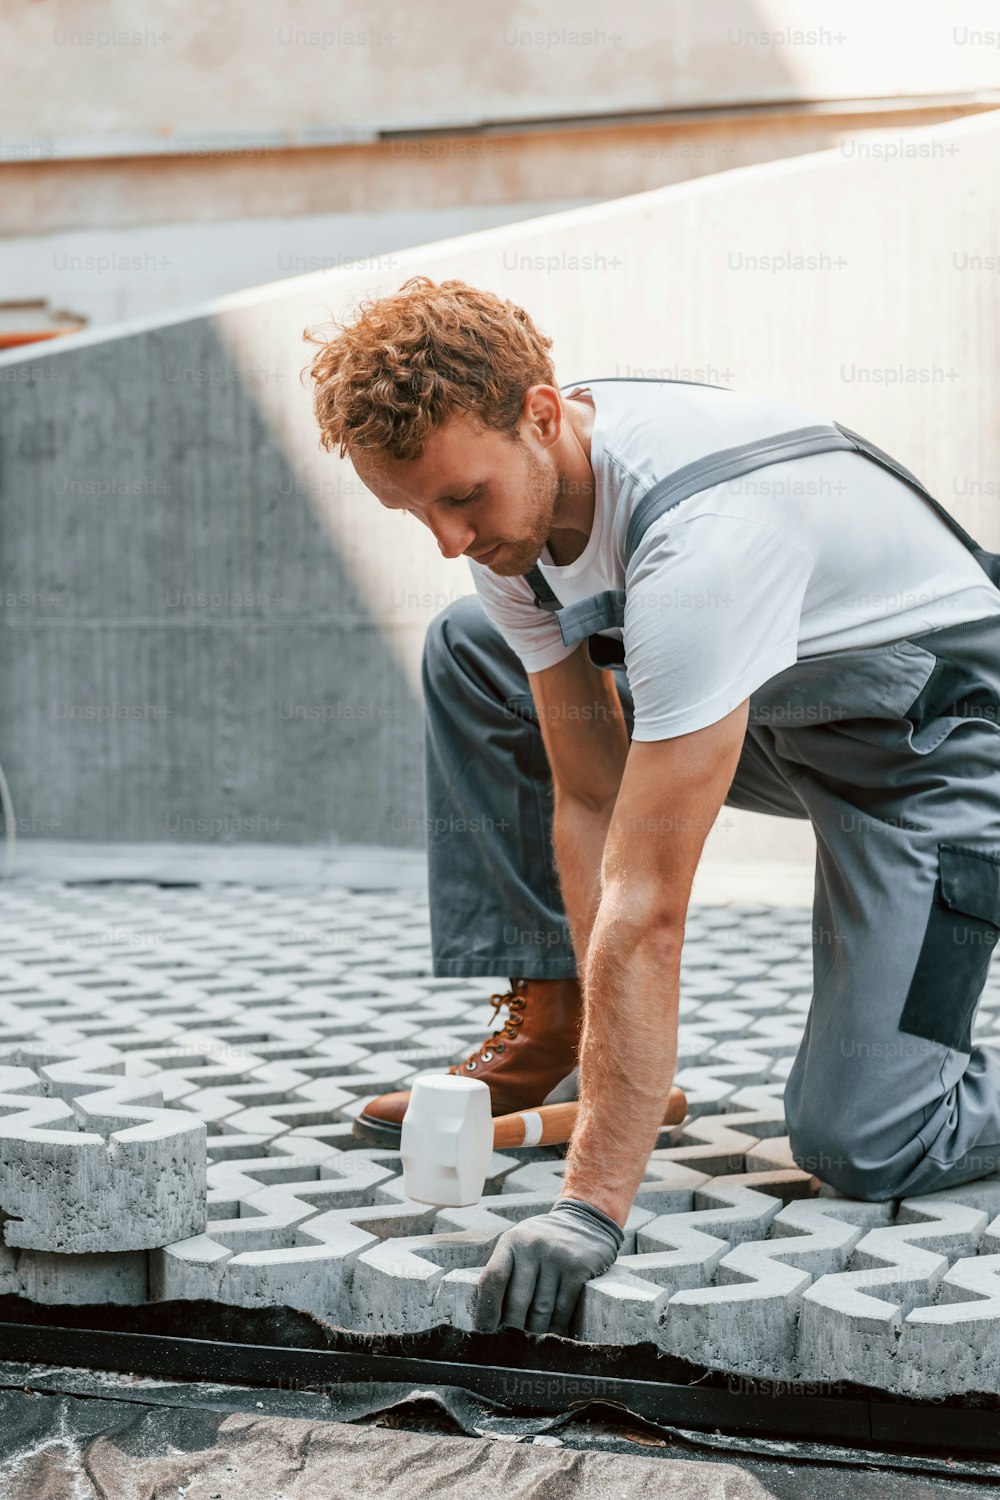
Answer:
(533, 1051)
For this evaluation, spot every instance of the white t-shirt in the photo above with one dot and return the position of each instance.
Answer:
(737, 582)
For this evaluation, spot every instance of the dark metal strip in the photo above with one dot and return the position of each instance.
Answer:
(917, 1427)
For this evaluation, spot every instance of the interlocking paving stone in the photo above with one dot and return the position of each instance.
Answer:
(146, 1031)
(90, 1161)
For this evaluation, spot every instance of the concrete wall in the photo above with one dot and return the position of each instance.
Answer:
(316, 132)
(114, 78)
(212, 630)
(113, 238)
(111, 275)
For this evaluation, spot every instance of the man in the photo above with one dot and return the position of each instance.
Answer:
(811, 639)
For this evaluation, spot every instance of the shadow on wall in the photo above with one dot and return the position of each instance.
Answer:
(214, 633)
(186, 656)
(200, 641)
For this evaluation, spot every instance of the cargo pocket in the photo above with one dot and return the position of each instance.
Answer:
(962, 930)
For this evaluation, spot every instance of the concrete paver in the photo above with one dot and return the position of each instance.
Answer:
(147, 1031)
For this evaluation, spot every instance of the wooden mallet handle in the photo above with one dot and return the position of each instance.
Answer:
(552, 1124)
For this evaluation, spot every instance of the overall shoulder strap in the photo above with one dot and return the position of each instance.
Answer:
(988, 561)
(544, 597)
(728, 463)
(607, 609)
(644, 380)
(711, 469)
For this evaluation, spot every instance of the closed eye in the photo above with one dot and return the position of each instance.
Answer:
(458, 502)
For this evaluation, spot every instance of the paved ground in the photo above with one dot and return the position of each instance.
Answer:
(151, 1032)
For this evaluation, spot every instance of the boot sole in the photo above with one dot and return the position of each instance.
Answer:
(377, 1132)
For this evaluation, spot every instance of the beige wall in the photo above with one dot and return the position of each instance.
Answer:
(592, 161)
(156, 155)
(115, 238)
(864, 289)
(114, 77)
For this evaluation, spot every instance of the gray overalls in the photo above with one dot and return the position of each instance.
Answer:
(892, 752)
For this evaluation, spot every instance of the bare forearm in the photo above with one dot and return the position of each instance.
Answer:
(579, 834)
(628, 1056)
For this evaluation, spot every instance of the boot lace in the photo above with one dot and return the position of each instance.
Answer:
(497, 1040)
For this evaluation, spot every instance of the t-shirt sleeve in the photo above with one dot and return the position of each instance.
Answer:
(712, 609)
(531, 633)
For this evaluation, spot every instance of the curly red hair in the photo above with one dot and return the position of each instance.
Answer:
(411, 359)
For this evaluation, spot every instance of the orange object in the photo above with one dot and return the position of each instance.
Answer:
(552, 1124)
(31, 322)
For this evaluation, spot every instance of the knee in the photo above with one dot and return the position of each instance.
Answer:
(462, 623)
(843, 1159)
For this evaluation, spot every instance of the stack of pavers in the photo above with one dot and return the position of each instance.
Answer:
(179, 1070)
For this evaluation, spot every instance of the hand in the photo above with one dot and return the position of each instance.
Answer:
(539, 1267)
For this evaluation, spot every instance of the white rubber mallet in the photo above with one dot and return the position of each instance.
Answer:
(449, 1134)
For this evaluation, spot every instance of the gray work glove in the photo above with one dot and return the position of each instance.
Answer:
(539, 1267)
(566, 1090)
